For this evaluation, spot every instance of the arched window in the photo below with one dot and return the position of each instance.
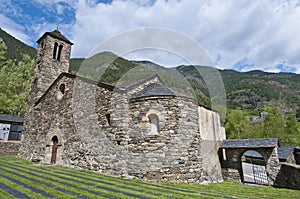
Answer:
(57, 51)
(62, 88)
(154, 121)
(108, 119)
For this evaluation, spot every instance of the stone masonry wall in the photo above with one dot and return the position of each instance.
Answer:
(53, 116)
(9, 147)
(46, 68)
(288, 176)
(98, 129)
(173, 152)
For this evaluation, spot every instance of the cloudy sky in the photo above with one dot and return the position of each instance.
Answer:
(237, 34)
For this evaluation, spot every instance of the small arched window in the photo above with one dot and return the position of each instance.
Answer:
(108, 119)
(57, 51)
(54, 140)
(62, 88)
(154, 121)
(42, 45)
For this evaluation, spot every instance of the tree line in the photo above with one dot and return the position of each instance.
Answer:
(271, 124)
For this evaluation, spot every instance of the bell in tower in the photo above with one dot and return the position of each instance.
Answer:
(53, 58)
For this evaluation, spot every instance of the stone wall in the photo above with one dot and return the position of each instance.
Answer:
(99, 129)
(46, 68)
(52, 116)
(172, 153)
(288, 176)
(9, 147)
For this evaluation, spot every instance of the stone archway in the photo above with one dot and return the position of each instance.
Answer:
(53, 147)
(231, 152)
(253, 167)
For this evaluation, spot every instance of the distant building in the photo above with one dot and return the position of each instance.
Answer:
(11, 127)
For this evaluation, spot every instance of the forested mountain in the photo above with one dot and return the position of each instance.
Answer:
(247, 91)
(248, 94)
(16, 48)
(255, 89)
(244, 90)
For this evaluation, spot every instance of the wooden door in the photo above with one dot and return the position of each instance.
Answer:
(54, 150)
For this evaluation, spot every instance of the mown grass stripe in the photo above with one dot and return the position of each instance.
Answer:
(96, 180)
(109, 188)
(4, 194)
(79, 188)
(15, 190)
(174, 194)
(155, 190)
(124, 183)
(91, 176)
(35, 190)
(90, 185)
(66, 192)
(55, 191)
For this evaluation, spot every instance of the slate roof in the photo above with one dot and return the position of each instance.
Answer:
(8, 118)
(250, 143)
(55, 34)
(136, 83)
(154, 90)
(285, 151)
(69, 75)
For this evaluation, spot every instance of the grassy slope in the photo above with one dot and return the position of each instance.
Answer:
(63, 182)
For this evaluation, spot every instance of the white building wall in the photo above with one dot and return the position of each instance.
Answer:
(211, 133)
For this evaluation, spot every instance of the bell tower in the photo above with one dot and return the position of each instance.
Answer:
(53, 58)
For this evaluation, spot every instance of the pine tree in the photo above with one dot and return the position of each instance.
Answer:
(14, 84)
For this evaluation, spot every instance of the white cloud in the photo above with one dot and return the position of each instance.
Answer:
(264, 31)
(14, 29)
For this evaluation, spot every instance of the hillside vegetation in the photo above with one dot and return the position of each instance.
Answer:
(247, 91)
(15, 48)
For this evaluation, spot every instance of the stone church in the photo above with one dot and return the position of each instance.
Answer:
(143, 129)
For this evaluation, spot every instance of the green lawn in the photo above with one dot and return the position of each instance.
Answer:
(23, 179)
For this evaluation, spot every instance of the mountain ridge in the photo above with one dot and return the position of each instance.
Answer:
(15, 47)
(249, 90)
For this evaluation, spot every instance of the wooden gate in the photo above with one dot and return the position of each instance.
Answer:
(255, 174)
